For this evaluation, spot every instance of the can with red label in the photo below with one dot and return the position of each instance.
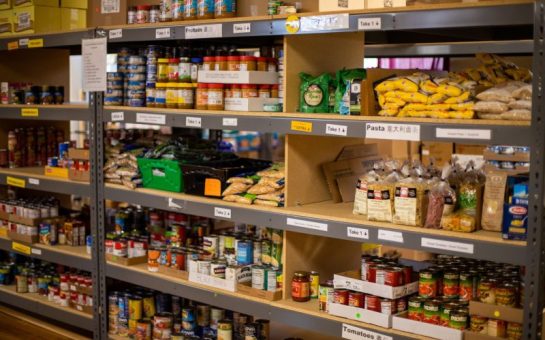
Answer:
(372, 303)
(401, 305)
(380, 273)
(356, 299)
(393, 276)
(372, 272)
(341, 296)
(387, 306)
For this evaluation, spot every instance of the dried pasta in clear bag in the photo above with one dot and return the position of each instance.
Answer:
(490, 107)
(521, 104)
(518, 114)
(441, 201)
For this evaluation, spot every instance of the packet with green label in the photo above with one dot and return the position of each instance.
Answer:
(314, 93)
(347, 95)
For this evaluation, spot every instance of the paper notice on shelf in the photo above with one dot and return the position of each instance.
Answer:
(118, 116)
(34, 181)
(479, 134)
(222, 212)
(36, 251)
(369, 24)
(109, 6)
(306, 224)
(162, 33)
(357, 233)
(325, 22)
(94, 64)
(388, 235)
(230, 121)
(355, 333)
(204, 31)
(115, 34)
(336, 130)
(244, 27)
(466, 248)
(150, 118)
(20, 248)
(16, 182)
(393, 131)
(211, 281)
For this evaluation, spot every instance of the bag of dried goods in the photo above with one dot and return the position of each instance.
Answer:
(441, 200)
(360, 199)
(240, 198)
(314, 93)
(380, 195)
(410, 199)
(517, 114)
(523, 92)
(500, 93)
(277, 170)
(344, 79)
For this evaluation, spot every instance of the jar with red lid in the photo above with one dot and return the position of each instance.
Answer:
(209, 63)
(249, 91)
(215, 97)
(233, 63)
(300, 286)
(142, 14)
(236, 91)
(264, 91)
(274, 91)
(248, 63)
(262, 64)
(173, 70)
(228, 91)
(221, 63)
(202, 96)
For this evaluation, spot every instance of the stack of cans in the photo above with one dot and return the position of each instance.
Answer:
(152, 54)
(135, 92)
(114, 88)
(122, 62)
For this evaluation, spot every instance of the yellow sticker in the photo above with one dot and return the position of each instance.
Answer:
(497, 313)
(16, 182)
(13, 45)
(293, 24)
(20, 248)
(301, 126)
(35, 43)
(29, 112)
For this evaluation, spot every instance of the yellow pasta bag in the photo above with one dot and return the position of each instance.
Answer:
(392, 94)
(437, 98)
(390, 106)
(381, 100)
(460, 99)
(385, 86)
(416, 107)
(462, 106)
(388, 113)
(417, 114)
(395, 100)
(428, 86)
(439, 114)
(474, 74)
(438, 107)
(406, 85)
(457, 78)
(415, 97)
(462, 114)
(486, 58)
(450, 89)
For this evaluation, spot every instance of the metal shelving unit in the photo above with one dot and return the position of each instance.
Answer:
(34, 178)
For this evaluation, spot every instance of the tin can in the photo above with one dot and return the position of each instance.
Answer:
(497, 328)
(393, 277)
(216, 314)
(478, 324)
(135, 307)
(326, 296)
(211, 244)
(265, 329)
(401, 304)
(203, 315)
(266, 246)
(387, 306)
(120, 247)
(466, 286)
(372, 303)
(217, 268)
(372, 272)
(356, 299)
(258, 277)
(177, 325)
(364, 267)
(148, 305)
(123, 305)
(162, 326)
(257, 251)
(506, 294)
(132, 325)
(380, 274)
(446, 310)
(189, 320)
(458, 320)
(123, 327)
(427, 284)
(271, 279)
(251, 331)
(341, 296)
(486, 289)
(314, 284)
(514, 331)
(112, 324)
(112, 303)
(225, 330)
(245, 252)
(432, 312)
(451, 282)
(203, 267)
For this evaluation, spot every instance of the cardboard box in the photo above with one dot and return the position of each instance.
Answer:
(125, 261)
(81, 4)
(6, 22)
(14, 236)
(408, 254)
(36, 19)
(79, 154)
(361, 314)
(246, 289)
(107, 15)
(468, 149)
(496, 312)
(26, 3)
(180, 274)
(340, 5)
(248, 104)
(478, 336)
(402, 323)
(5, 4)
(351, 280)
(239, 77)
(515, 211)
(440, 152)
(73, 18)
(54, 171)
(79, 176)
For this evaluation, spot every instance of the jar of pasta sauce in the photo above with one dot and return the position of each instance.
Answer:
(142, 14)
(300, 286)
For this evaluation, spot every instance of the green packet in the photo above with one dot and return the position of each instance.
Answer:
(314, 93)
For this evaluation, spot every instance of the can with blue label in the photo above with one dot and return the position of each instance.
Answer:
(123, 305)
(225, 8)
(63, 150)
(189, 320)
(205, 9)
(52, 161)
(245, 252)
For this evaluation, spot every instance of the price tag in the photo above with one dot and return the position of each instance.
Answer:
(369, 24)
(355, 333)
(388, 235)
(35, 43)
(175, 205)
(16, 182)
(230, 122)
(392, 131)
(193, 122)
(34, 181)
(479, 134)
(204, 31)
(116, 34)
(20, 248)
(162, 33)
(150, 118)
(222, 212)
(242, 28)
(466, 248)
(325, 22)
(336, 130)
(36, 251)
(13, 45)
(357, 233)
(306, 224)
(29, 112)
(301, 126)
(23, 42)
(118, 116)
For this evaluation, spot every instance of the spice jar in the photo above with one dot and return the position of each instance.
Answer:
(262, 64)
(202, 96)
(228, 91)
(264, 91)
(248, 63)
(249, 91)
(142, 14)
(233, 63)
(162, 70)
(221, 63)
(154, 14)
(271, 64)
(173, 70)
(300, 286)
(196, 64)
(190, 9)
(184, 69)
(166, 10)
(209, 63)
(274, 91)
(215, 97)
(205, 9)
(131, 15)
(225, 8)
(186, 92)
(161, 95)
(236, 91)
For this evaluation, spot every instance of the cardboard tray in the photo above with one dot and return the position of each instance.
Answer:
(349, 280)
(53, 171)
(180, 274)
(496, 312)
(79, 176)
(248, 104)
(477, 336)
(259, 293)
(125, 260)
(402, 323)
(23, 238)
(516, 157)
(83, 309)
(361, 314)
(239, 77)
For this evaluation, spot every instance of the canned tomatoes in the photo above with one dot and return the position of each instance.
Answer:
(372, 303)
(427, 284)
(341, 296)
(393, 277)
(356, 299)
(432, 312)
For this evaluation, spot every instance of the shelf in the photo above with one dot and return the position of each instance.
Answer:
(56, 39)
(75, 257)
(472, 131)
(303, 315)
(35, 303)
(332, 220)
(46, 112)
(34, 178)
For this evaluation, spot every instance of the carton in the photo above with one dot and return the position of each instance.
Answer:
(81, 4)
(125, 261)
(80, 154)
(361, 314)
(14, 236)
(53, 171)
(79, 176)
(73, 18)
(36, 19)
(351, 280)
(488, 310)
(515, 216)
(439, 151)
(239, 77)
(248, 104)
(340, 5)
(102, 13)
(402, 323)
(493, 200)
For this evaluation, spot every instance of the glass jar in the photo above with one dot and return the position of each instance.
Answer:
(161, 95)
(249, 91)
(271, 64)
(190, 9)
(202, 96)
(177, 10)
(166, 10)
(172, 95)
(248, 63)
(262, 64)
(209, 63)
(274, 91)
(150, 96)
(154, 14)
(186, 93)
(131, 15)
(205, 9)
(173, 70)
(142, 14)
(47, 95)
(233, 63)
(228, 91)
(236, 92)
(225, 8)
(221, 63)
(184, 69)
(196, 64)
(215, 97)
(162, 70)
(300, 286)
(264, 91)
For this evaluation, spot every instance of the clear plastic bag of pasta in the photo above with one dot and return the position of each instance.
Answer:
(380, 195)
(441, 200)
(409, 199)
(360, 198)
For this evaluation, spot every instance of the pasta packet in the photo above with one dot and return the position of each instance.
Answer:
(441, 200)
(360, 198)
(409, 199)
(380, 195)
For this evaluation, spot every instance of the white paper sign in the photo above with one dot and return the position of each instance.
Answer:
(162, 33)
(480, 134)
(34, 181)
(23, 42)
(150, 118)
(193, 122)
(355, 333)
(324, 22)
(336, 130)
(36, 251)
(245, 27)
(222, 212)
(94, 64)
(115, 34)
(109, 6)
(392, 131)
(118, 116)
(357, 233)
(306, 224)
(466, 248)
(230, 122)
(204, 31)
(388, 235)
(212, 281)
(369, 24)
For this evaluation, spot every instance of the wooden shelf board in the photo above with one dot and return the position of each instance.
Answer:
(66, 106)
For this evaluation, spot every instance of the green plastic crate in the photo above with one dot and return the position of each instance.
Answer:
(161, 174)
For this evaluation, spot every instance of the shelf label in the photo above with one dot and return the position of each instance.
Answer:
(230, 122)
(34, 181)
(293, 24)
(357, 233)
(392, 131)
(193, 122)
(150, 118)
(93, 53)
(175, 205)
(325, 22)
(241, 28)
(29, 112)
(23, 42)
(480, 134)
(20, 248)
(466, 248)
(306, 224)
(115, 34)
(35, 43)
(204, 31)
(355, 333)
(301, 126)
(369, 24)
(36, 251)
(212, 281)
(336, 130)
(162, 33)
(16, 182)
(388, 235)
(13, 45)
(118, 116)
(222, 212)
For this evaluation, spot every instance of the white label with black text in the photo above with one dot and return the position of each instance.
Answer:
(204, 31)
(162, 33)
(193, 122)
(36, 251)
(115, 34)
(118, 116)
(306, 224)
(480, 134)
(466, 248)
(23, 42)
(222, 212)
(336, 130)
(245, 27)
(369, 24)
(388, 235)
(355, 333)
(357, 233)
(173, 204)
(230, 122)
(150, 118)
(392, 131)
(34, 181)
(324, 22)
